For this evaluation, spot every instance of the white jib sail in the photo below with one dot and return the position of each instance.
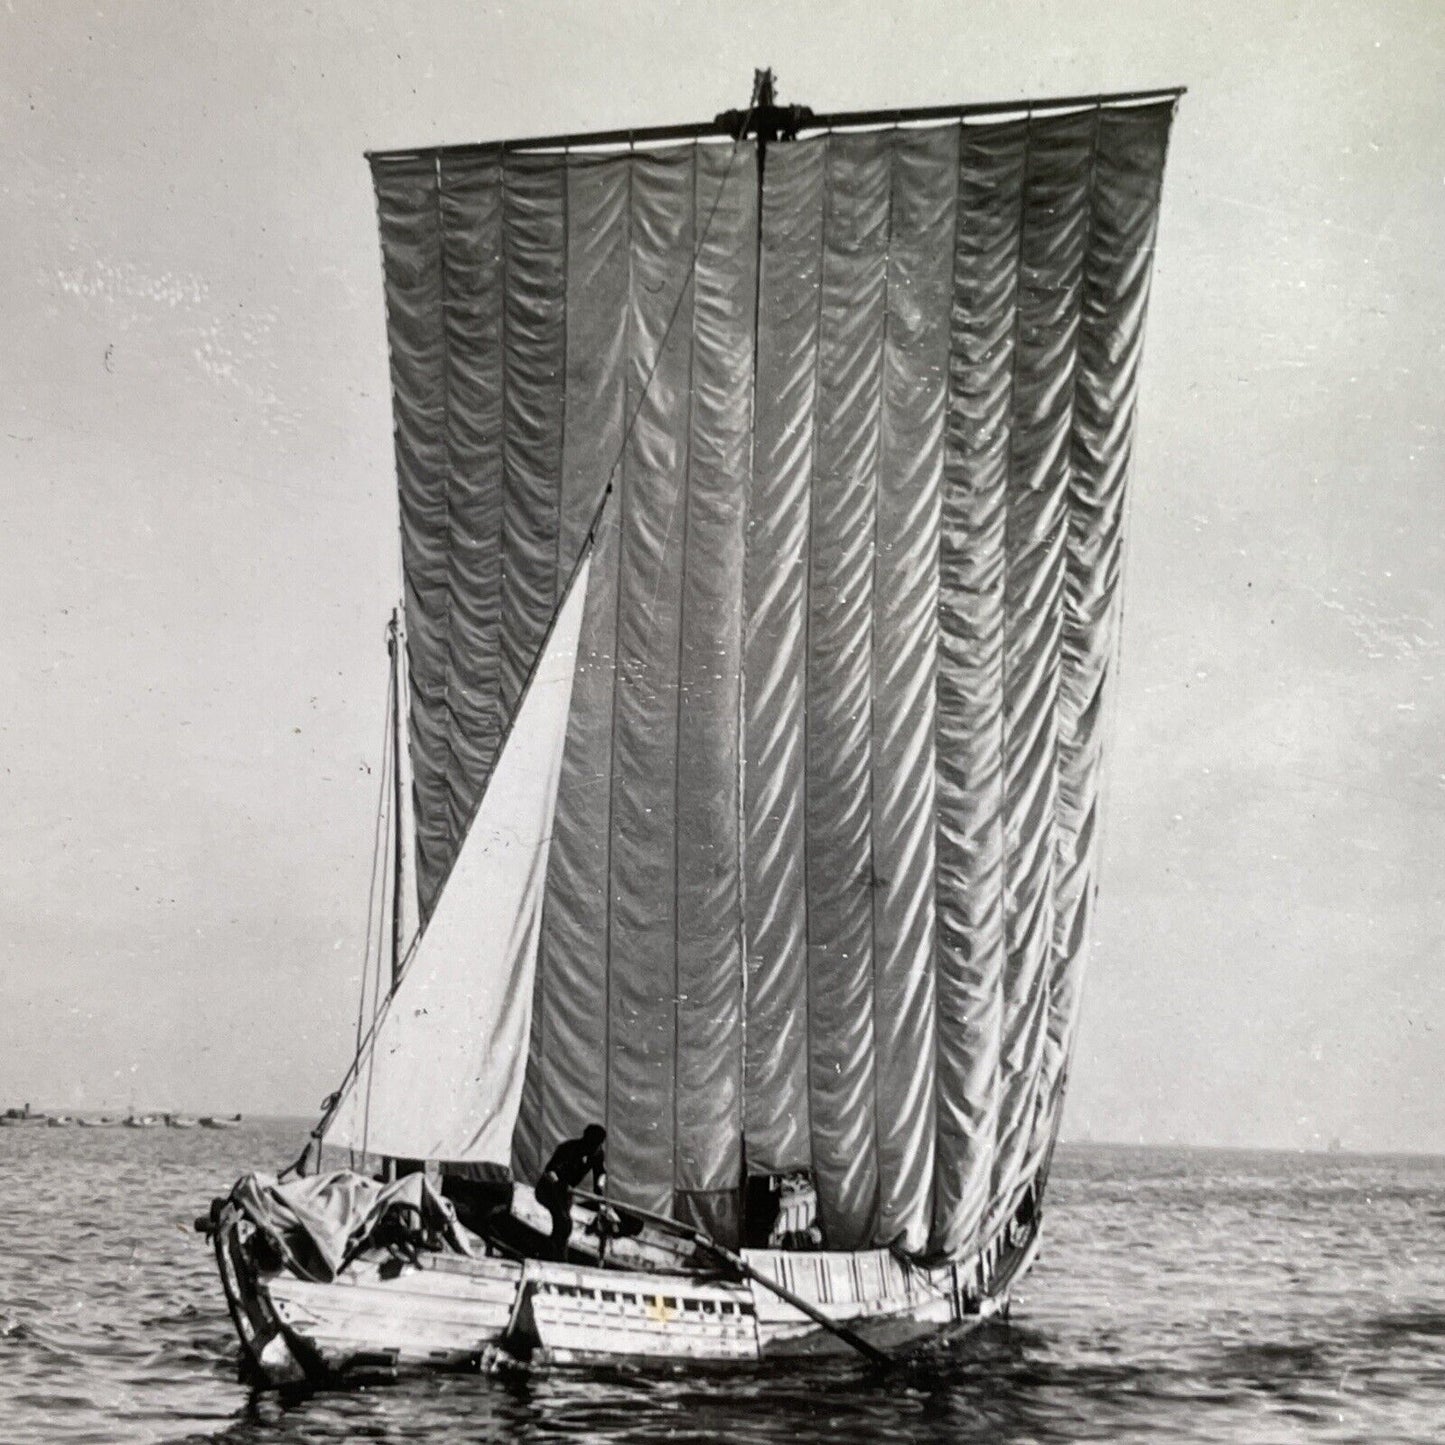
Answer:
(442, 1078)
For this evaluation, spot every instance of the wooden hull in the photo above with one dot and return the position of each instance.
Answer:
(381, 1318)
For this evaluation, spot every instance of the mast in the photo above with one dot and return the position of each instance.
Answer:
(766, 121)
(403, 877)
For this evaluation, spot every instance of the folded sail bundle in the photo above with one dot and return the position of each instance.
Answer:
(820, 868)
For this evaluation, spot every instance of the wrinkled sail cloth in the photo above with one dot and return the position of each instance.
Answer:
(317, 1223)
(441, 1077)
(827, 828)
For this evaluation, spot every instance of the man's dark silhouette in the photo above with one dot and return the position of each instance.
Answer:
(569, 1165)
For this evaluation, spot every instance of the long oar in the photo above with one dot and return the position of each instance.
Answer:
(737, 1262)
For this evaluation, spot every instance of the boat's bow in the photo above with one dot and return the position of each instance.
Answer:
(339, 1277)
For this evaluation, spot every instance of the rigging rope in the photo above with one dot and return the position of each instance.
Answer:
(377, 849)
(379, 861)
(374, 929)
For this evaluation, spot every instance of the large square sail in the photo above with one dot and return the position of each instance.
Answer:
(826, 828)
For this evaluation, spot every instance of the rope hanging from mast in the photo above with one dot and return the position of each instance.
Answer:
(375, 920)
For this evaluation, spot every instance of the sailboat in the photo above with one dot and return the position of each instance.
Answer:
(762, 503)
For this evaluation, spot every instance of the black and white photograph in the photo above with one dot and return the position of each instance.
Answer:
(722, 722)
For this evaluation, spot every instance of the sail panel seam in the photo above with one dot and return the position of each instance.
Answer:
(808, 655)
(949, 393)
(504, 644)
(1057, 953)
(686, 486)
(879, 471)
(621, 472)
(448, 722)
(1008, 504)
(1049, 894)
(565, 291)
(543, 970)
(741, 714)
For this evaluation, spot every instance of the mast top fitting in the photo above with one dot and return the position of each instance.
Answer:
(764, 118)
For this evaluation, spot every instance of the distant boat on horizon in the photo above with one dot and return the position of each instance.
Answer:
(211, 1121)
(13, 1118)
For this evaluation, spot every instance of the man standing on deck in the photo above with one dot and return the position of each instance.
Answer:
(566, 1169)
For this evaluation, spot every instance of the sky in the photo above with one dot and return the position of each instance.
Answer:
(198, 529)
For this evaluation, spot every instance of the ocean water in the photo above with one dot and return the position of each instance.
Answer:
(1182, 1295)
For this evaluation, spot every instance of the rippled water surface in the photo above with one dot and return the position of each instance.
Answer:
(1182, 1296)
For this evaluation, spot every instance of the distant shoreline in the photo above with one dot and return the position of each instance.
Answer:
(1344, 1151)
